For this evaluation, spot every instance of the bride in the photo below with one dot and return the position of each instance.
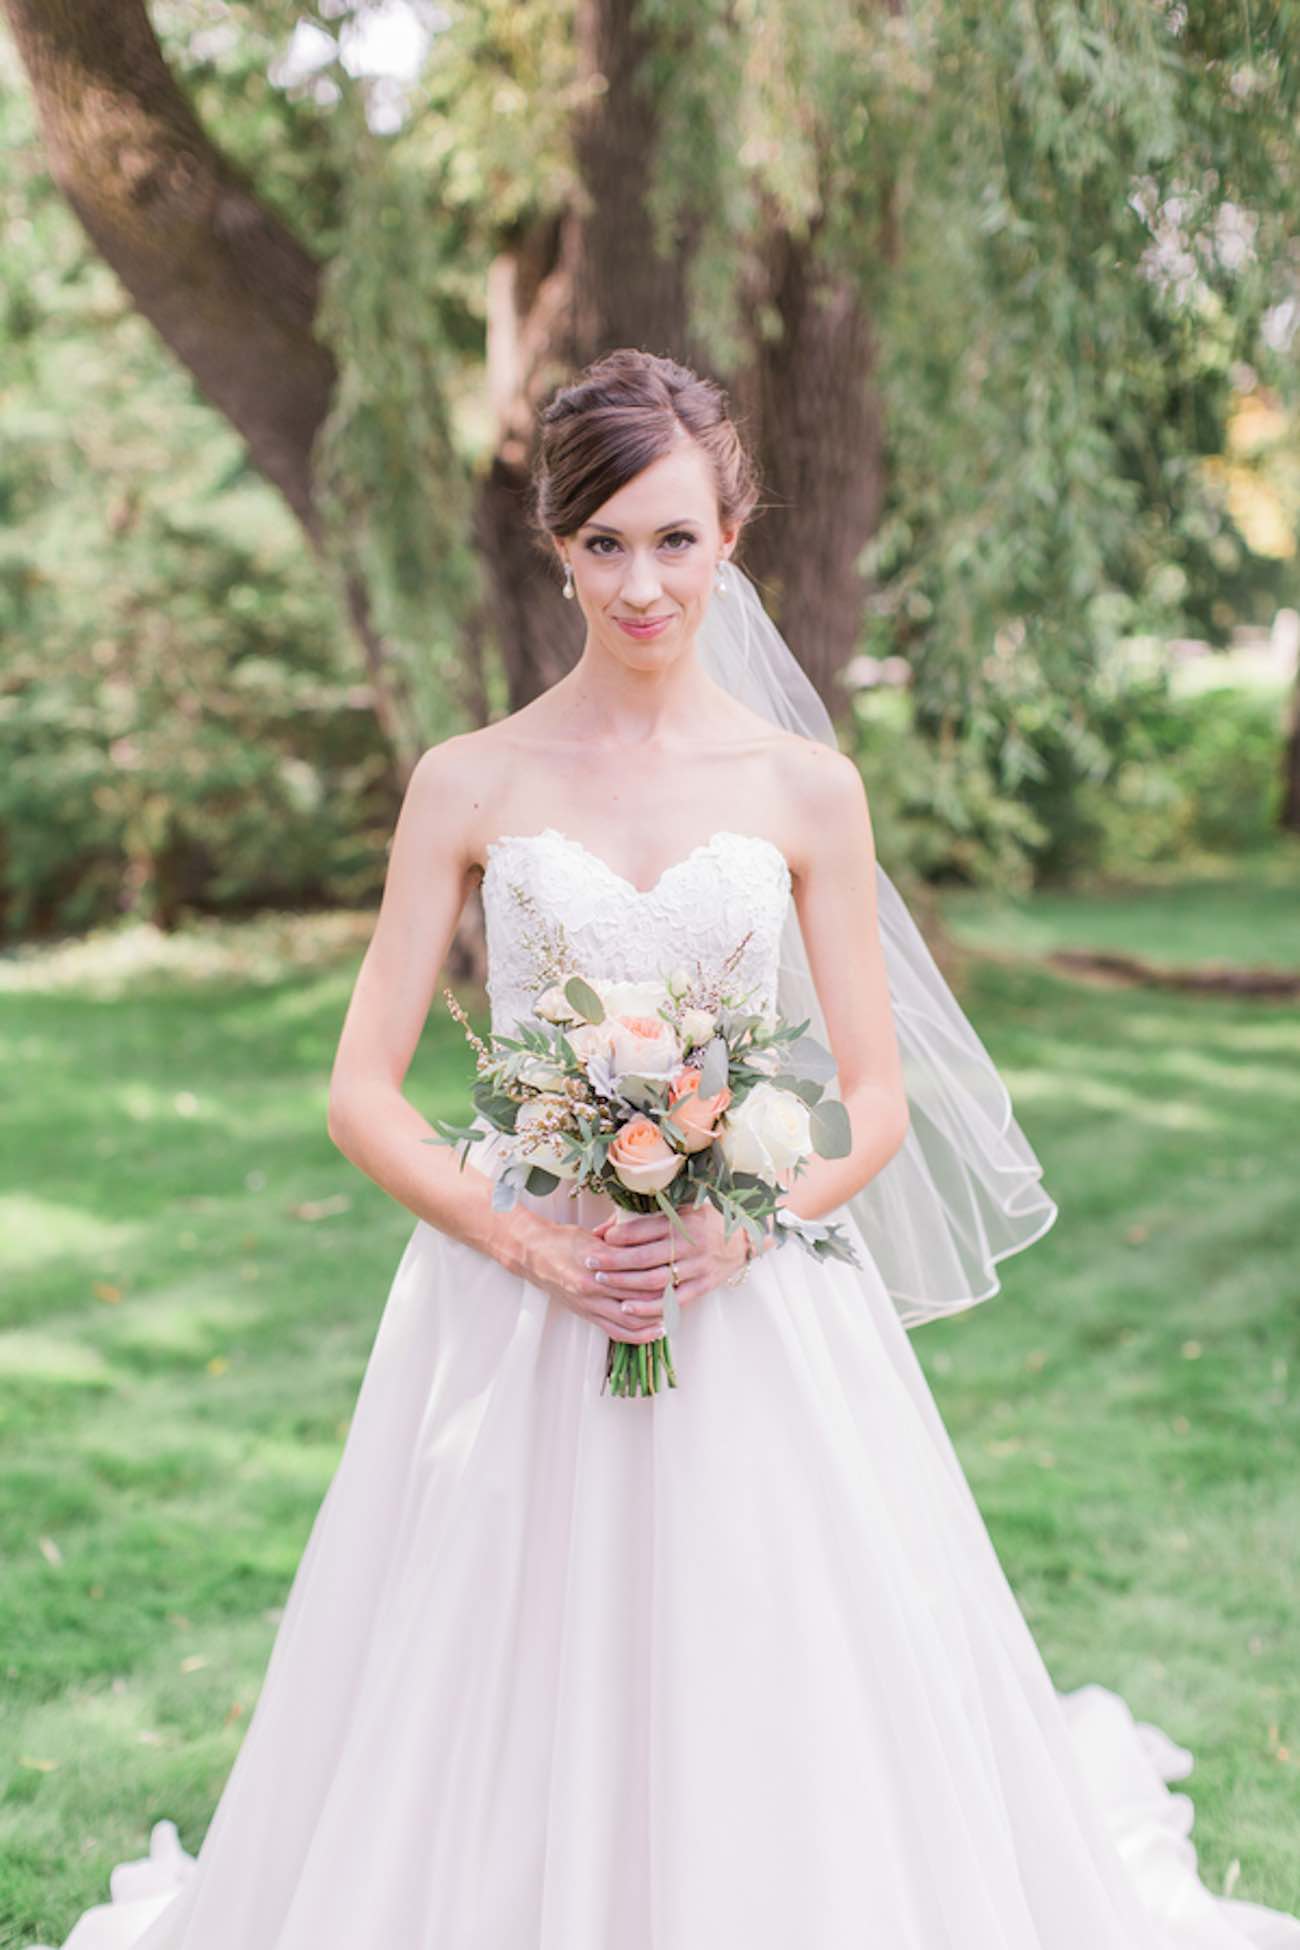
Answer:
(734, 1666)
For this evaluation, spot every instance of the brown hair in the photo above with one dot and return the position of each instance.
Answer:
(622, 412)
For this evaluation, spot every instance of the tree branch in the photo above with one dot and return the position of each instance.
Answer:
(225, 283)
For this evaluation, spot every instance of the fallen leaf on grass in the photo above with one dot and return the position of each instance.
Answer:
(321, 1208)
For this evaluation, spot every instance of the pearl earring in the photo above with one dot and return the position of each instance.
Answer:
(568, 580)
(720, 583)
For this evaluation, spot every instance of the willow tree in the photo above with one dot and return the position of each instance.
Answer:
(974, 277)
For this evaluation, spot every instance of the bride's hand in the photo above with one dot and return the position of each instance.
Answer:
(564, 1259)
(633, 1250)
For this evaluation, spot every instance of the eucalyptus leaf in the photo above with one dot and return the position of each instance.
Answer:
(832, 1133)
(804, 1087)
(584, 999)
(811, 1057)
(643, 1092)
(714, 1068)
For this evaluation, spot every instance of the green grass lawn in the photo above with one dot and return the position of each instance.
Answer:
(193, 1275)
(1247, 915)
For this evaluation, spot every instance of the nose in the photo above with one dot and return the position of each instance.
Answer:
(641, 583)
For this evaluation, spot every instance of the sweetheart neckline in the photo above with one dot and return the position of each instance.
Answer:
(674, 866)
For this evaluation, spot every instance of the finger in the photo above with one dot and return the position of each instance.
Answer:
(636, 1284)
(627, 1327)
(633, 1308)
(635, 1228)
(627, 1259)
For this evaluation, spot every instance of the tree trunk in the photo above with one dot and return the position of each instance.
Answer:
(592, 282)
(223, 281)
(822, 441)
(568, 293)
(1290, 813)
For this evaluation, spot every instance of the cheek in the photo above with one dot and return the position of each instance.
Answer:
(692, 580)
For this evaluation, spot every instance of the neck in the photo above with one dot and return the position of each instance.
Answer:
(636, 707)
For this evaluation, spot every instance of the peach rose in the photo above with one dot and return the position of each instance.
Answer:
(697, 1115)
(641, 1157)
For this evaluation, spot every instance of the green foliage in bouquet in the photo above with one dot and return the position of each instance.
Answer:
(552, 1089)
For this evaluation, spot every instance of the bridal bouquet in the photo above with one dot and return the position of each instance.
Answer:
(660, 1095)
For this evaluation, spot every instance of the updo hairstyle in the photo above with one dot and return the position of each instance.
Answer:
(622, 412)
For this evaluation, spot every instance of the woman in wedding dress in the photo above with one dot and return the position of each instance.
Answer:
(733, 1666)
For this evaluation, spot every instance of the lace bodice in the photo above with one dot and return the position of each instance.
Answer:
(547, 899)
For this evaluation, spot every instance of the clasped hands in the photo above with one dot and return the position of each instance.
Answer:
(616, 1273)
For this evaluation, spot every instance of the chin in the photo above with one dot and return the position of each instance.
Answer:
(652, 651)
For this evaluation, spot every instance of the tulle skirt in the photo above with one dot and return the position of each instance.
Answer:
(735, 1667)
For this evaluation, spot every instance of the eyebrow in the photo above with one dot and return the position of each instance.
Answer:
(683, 521)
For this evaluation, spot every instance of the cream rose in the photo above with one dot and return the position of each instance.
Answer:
(534, 1143)
(553, 1005)
(696, 1027)
(768, 1132)
(586, 1038)
(641, 1158)
(642, 1046)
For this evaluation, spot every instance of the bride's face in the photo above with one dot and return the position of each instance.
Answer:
(650, 552)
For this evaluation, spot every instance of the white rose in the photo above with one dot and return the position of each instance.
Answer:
(632, 998)
(534, 1145)
(539, 1073)
(767, 1132)
(553, 1005)
(696, 1027)
(678, 980)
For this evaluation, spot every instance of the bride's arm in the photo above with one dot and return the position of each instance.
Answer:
(835, 895)
(369, 1119)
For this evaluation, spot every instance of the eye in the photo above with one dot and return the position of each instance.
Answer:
(593, 544)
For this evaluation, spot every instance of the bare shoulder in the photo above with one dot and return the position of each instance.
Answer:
(450, 785)
(825, 797)
(820, 778)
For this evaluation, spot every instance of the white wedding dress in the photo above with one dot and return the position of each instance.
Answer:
(733, 1667)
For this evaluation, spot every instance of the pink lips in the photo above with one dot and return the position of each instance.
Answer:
(651, 627)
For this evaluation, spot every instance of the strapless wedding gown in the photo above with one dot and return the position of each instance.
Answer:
(733, 1667)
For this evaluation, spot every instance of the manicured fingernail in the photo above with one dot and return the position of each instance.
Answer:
(590, 1260)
